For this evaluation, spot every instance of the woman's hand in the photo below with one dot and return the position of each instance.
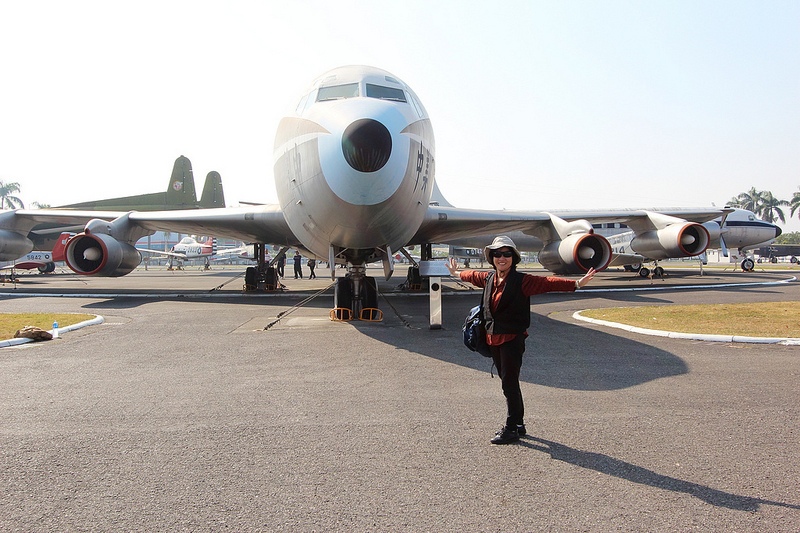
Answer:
(452, 266)
(589, 276)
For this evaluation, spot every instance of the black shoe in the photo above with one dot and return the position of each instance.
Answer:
(506, 435)
(521, 431)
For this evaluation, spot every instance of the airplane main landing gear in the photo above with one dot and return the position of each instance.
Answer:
(260, 278)
(263, 276)
(658, 272)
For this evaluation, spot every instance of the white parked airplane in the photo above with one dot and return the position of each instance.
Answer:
(354, 170)
(188, 248)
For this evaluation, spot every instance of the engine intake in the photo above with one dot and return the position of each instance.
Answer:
(676, 240)
(99, 254)
(576, 254)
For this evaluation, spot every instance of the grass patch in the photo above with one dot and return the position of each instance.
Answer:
(770, 319)
(11, 322)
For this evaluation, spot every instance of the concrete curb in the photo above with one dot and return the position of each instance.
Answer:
(690, 336)
(94, 321)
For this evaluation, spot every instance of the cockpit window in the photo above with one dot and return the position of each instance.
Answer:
(337, 92)
(385, 93)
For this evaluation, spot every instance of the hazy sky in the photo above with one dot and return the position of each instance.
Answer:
(535, 105)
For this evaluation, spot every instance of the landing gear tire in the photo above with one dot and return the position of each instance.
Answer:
(644, 272)
(369, 307)
(342, 300)
(658, 272)
(250, 279)
(748, 265)
(370, 292)
(271, 279)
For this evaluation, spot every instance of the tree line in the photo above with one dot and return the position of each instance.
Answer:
(9, 200)
(765, 205)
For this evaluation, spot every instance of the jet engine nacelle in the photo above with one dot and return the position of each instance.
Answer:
(675, 240)
(98, 254)
(576, 254)
(13, 245)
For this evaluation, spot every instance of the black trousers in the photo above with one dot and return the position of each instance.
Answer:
(508, 359)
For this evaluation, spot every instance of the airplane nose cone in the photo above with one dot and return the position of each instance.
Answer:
(778, 232)
(367, 145)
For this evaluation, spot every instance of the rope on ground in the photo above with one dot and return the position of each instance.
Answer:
(397, 314)
(296, 306)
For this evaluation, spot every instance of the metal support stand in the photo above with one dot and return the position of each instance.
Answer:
(436, 302)
(433, 271)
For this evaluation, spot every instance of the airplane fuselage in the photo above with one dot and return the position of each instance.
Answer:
(192, 249)
(744, 231)
(354, 166)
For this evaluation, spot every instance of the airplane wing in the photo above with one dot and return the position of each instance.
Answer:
(446, 222)
(264, 223)
(566, 241)
(564, 232)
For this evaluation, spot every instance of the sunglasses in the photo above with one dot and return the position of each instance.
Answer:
(502, 254)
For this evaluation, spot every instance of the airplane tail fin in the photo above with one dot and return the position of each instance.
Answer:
(180, 194)
(213, 196)
(180, 190)
(213, 242)
(61, 245)
(437, 198)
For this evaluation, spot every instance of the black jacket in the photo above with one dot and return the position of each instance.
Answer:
(513, 313)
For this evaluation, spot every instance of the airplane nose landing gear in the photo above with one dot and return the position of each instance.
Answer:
(356, 295)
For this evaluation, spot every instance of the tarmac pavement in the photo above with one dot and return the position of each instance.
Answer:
(181, 412)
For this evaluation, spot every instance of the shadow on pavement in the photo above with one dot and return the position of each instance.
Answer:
(636, 474)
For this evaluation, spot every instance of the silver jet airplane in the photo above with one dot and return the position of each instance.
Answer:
(354, 170)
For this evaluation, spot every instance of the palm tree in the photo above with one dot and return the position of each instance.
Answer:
(794, 203)
(7, 197)
(751, 200)
(37, 205)
(770, 208)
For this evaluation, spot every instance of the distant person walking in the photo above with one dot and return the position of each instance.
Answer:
(312, 264)
(281, 264)
(298, 267)
(507, 315)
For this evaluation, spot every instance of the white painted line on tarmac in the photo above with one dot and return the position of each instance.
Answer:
(709, 286)
(689, 336)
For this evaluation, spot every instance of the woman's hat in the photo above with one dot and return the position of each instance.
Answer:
(501, 241)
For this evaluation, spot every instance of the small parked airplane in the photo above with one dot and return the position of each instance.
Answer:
(188, 248)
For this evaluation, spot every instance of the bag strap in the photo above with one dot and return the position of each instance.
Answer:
(486, 298)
